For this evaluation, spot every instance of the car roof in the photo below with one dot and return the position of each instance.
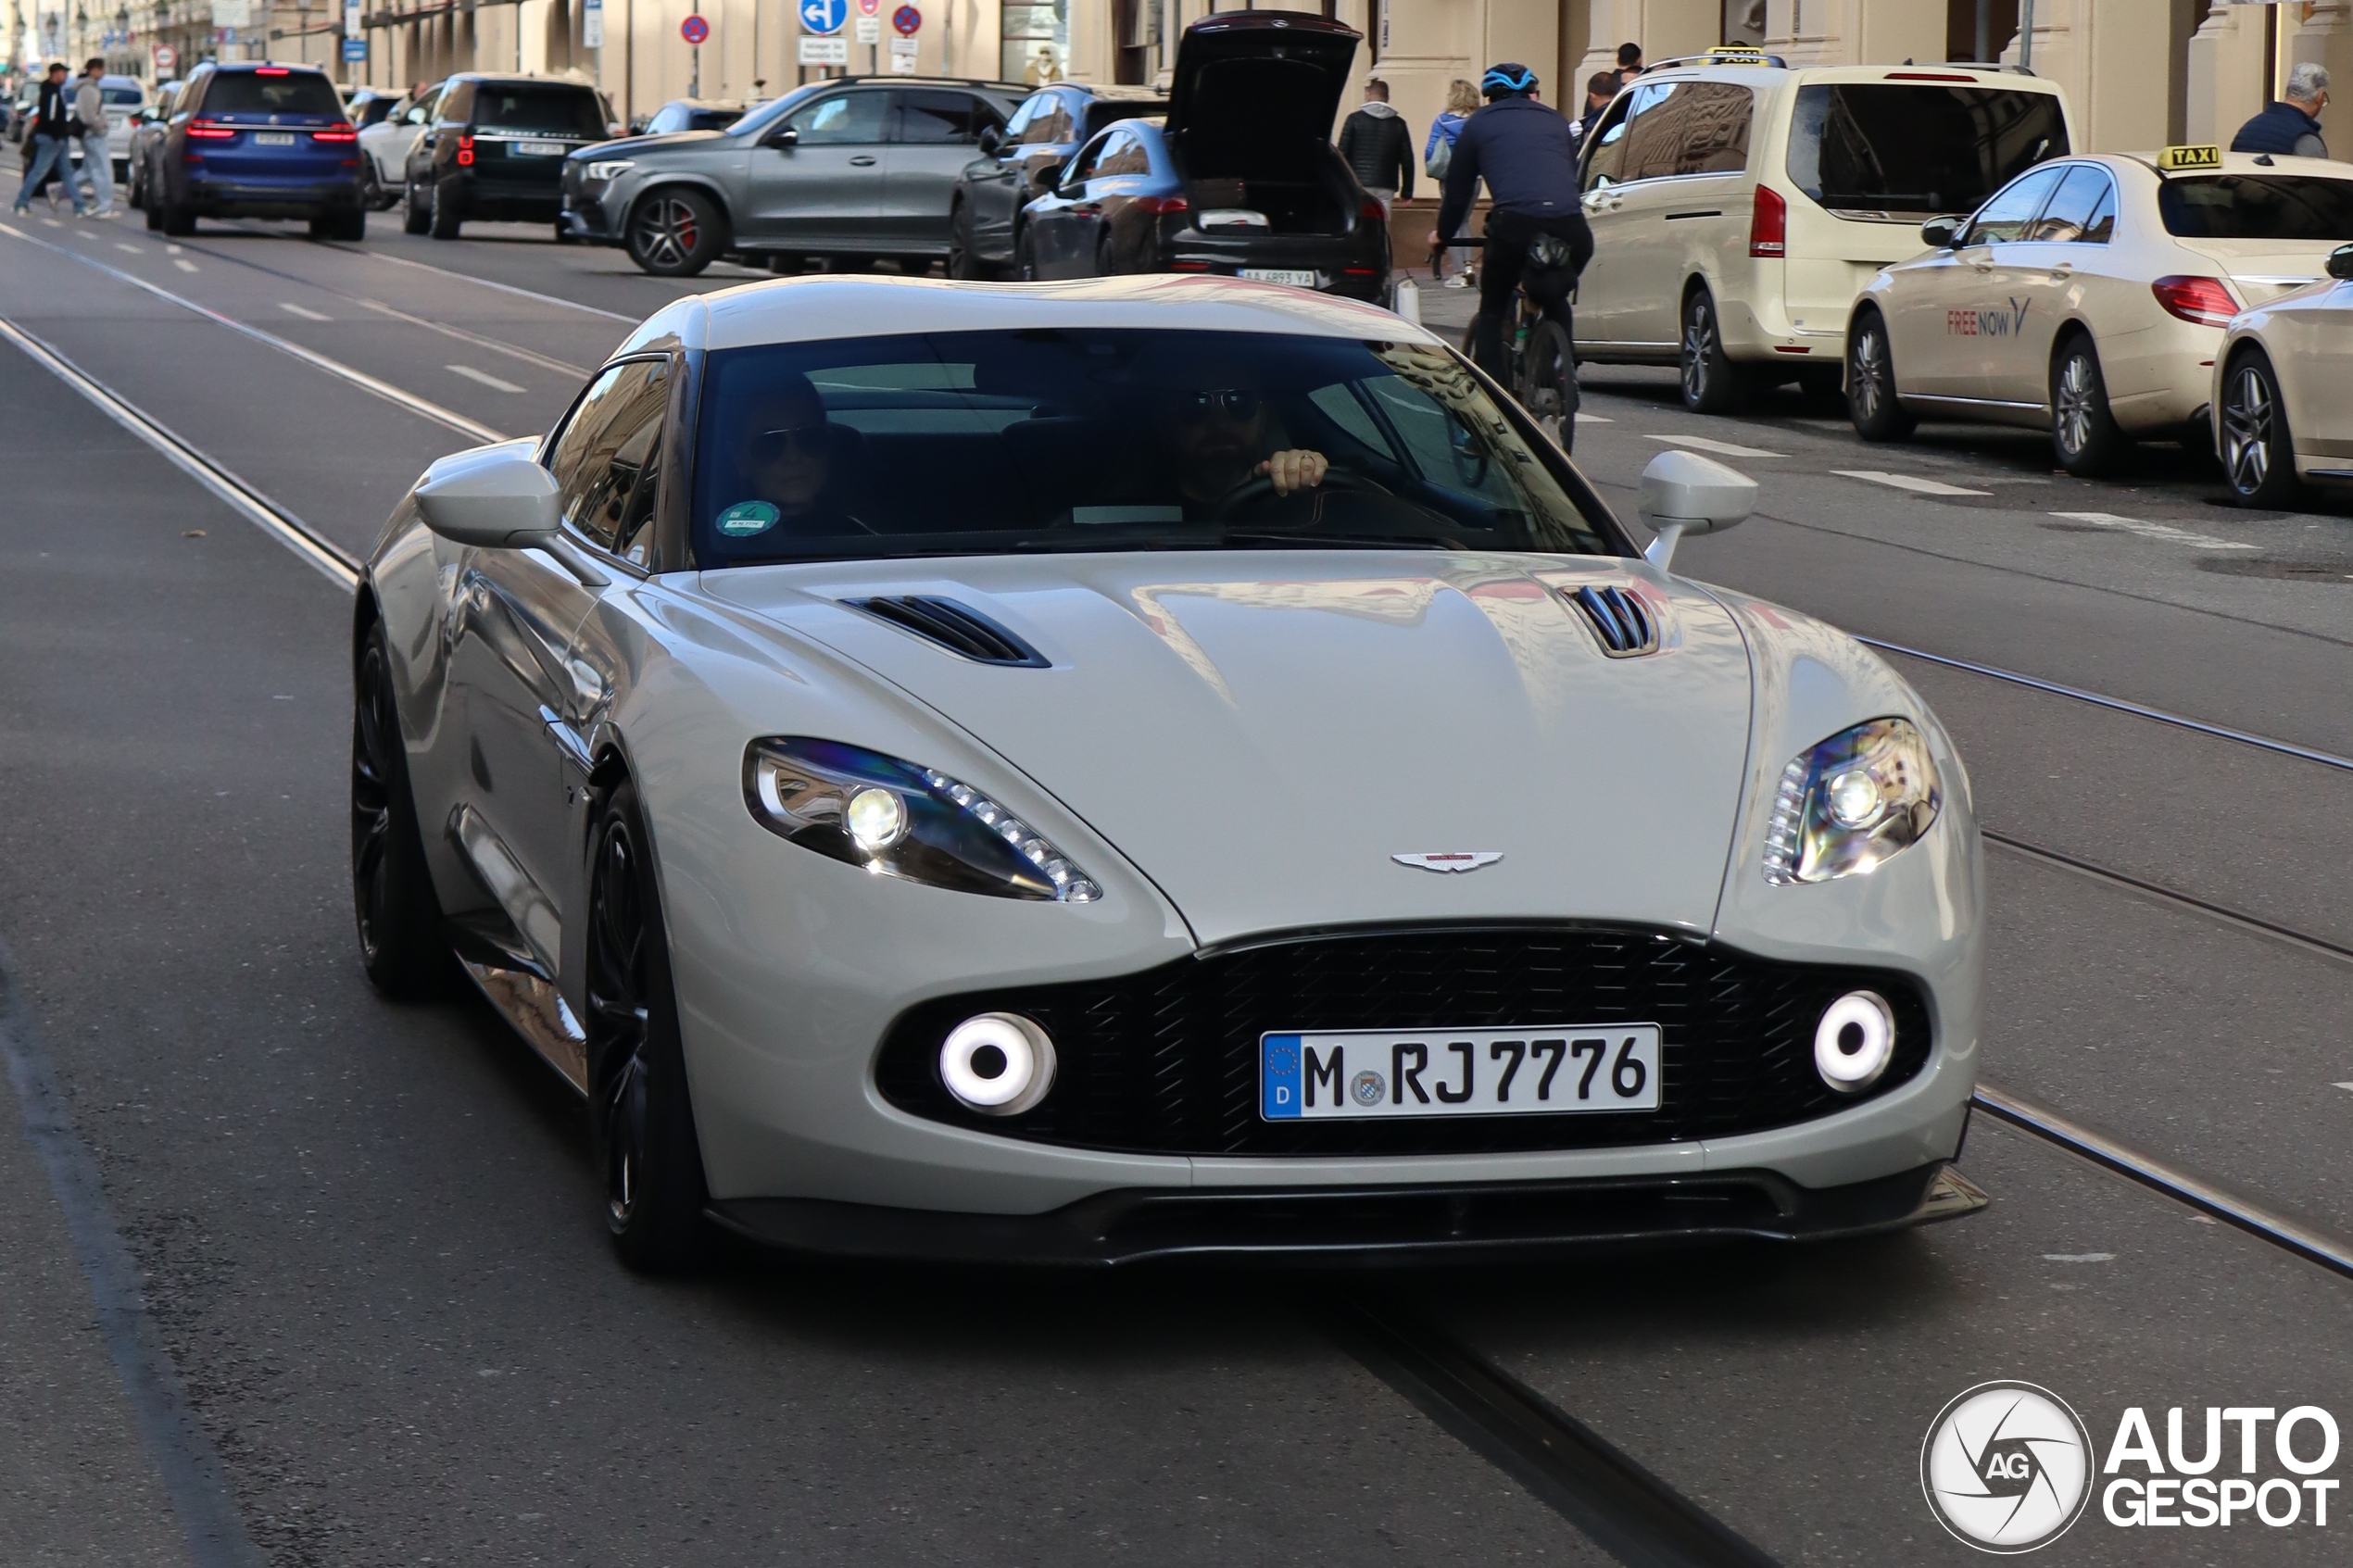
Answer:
(822, 308)
(2233, 163)
(289, 67)
(519, 79)
(1937, 74)
(1123, 93)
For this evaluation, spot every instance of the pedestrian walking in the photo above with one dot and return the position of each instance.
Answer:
(98, 159)
(50, 137)
(2294, 126)
(1630, 62)
(1462, 102)
(1600, 88)
(1375, 144)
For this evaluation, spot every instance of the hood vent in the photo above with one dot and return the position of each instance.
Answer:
(964, 631)
(1627, 627)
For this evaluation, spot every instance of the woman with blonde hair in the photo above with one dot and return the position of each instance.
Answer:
(1462, 102)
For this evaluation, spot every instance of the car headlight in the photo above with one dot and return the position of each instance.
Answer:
(608, 168)
(1851, 802)
(898, 818)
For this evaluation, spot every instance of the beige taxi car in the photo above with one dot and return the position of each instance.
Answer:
(1739, 205)
(2089, 296)
(2283, 391)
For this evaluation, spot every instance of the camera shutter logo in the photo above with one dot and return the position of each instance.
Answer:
(2007, 1467)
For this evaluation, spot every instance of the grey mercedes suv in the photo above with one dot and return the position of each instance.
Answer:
(849, 168)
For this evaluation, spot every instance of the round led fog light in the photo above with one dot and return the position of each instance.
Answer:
(996, 1064)
(1855, 1041)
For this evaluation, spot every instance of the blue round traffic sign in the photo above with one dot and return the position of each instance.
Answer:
(907, 21)
(823, 16)
(695, 31)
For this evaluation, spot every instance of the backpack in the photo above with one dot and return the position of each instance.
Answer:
(1551, 271)
(1435, 165)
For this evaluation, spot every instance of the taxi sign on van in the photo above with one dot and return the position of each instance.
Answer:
(2190, 157)
(1736, 55)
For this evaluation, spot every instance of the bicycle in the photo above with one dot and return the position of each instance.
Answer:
(1540, 368)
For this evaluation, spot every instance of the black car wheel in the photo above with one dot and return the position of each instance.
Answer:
(155, 216)
(644, 1123)
(2258, 456)
(1711, 382)
(401, 944)
(414, 216)
(2084, 432)
(449, 209)
(348, 224)
(1871, 382)
(177, 220)
(962, 261)
(674, 233)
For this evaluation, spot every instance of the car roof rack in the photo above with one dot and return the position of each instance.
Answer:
(1751, 57)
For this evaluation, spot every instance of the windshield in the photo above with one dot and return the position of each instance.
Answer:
(1890, 148)
(250, 91)
(1058, 439)
(121, 97)
(557, 111)
(2257, 207)
(757, 119)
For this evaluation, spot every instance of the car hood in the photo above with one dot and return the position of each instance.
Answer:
(630, 146)
(1252, 79)
(1261, 734)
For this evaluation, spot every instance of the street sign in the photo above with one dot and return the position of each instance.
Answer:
(869, 7)
(824, 17)
(908, 21)
(903, 48)
(356, 50)
(816, 51)
(695, 31)
(591, 24)
(869, 28)
(165, 56)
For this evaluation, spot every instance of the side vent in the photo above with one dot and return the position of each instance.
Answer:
(964, 631)
(1625, 625)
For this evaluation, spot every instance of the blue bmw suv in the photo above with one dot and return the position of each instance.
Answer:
(257, 140)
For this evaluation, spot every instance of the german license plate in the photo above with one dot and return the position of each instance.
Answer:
(273, 138)
(1296, 276)
(540, 149)
(1364, 1073)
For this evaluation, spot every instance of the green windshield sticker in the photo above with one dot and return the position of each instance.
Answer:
(746, 518)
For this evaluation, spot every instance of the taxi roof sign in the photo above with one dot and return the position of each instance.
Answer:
(1738, 55)
(2173, 158)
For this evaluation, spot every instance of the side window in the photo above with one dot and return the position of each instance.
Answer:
(606, 459)
(1053, 122)
(1688, 128)
(671, 117)
(456, 104)
(1124, 153)
(1033, 107)
(1082, 167)
(2005, 217)
(938, 116)
(1607, 163)
(2083, 209)
(191, 94)
(842, 120)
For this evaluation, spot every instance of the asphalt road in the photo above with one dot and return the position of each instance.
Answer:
(305, 1278)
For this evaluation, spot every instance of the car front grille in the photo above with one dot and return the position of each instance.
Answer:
(1167, 1061)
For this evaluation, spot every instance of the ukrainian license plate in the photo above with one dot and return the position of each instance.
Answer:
(273, 138)
(1296, 276)
(1365, 1073)
(540, 149)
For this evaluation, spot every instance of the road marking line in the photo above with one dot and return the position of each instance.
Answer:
(359, 378)
(1908, 482)
(135, 250)
(494, 344)
(53, 223)
(1725, 447)
(2079, 1257)
(307, 314)
(183, 264)
(502, 288)
(2342, 1085)
(1594, 420)
(171, 250)
(473, 375)
(2155, 531)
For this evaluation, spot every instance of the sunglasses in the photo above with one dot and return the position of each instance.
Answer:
(1238, 404)
(806, 441)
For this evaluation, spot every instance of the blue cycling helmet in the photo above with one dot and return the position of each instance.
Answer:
(1507, 80)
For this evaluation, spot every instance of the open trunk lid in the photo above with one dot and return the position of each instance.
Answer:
(1255, 92)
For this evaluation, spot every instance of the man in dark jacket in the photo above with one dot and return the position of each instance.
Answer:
(1375, 143)
(1600, 89)
(2293, 127)
(1526, 153)
(51, 135)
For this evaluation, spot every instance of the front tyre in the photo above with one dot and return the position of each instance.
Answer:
(2084, 433)
(1025, 256)
(2257, 455)
(674, 233)
(449, 209)
(401, 945)
(645, 1122)
(1871, 382)
(1549, 393)
(962, 261)
(1711, 382)
(414, 216)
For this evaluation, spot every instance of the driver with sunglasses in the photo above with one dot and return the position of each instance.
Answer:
(787, 454)
(1223, 435)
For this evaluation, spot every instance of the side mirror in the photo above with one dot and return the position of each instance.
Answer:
(788, 137)
(1048, 176)
(1684, 492)
(1937, 233)
(990, 140)
(497, 497)
(2340, 262)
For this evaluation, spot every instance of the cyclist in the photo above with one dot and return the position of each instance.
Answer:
(1526, 153)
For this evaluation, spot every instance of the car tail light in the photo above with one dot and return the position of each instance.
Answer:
(336, 134)
(1374, 210)
(465, 151)
(2203, 301)
(210, 129)
(1768, 227)
(1357, 271)
(1161, 206)
(271, 70)
(1188, 267)
(1927, 76)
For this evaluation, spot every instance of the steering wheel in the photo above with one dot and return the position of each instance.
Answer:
(1258, 486)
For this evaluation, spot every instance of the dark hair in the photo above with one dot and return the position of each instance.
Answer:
(59, 65)
(1629, 55)
(96, 65)
(1603, 82)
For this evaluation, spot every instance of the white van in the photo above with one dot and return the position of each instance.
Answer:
(1739, 206)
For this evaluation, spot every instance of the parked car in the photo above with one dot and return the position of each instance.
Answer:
(849, 168)
(692, 114)
(154, 120)
(383, 148)
(371, 106)
(1240, 179)
(496, 150)
(1739, 206)
(2282, 399)
(256, 141)
(1047, 127)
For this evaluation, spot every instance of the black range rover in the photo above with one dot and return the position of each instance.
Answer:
(496, 150)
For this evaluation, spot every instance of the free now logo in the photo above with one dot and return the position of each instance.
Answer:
(1988, 320)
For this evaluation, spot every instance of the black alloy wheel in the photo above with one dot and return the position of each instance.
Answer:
(401, 944)
(2257, 455)
(449, 209)
(414, 217)
(644, 1121)
(1871, 382)
(1547, 390)
(1711, 382)
(673, 233)
(962, 261)
(2084, 432)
